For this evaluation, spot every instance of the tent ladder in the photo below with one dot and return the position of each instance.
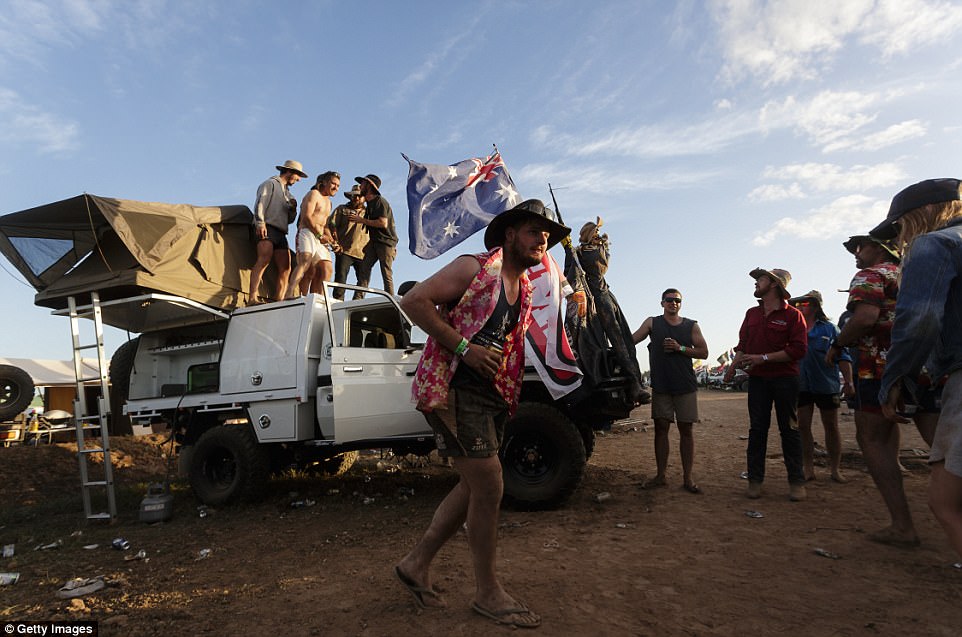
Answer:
(92, 422)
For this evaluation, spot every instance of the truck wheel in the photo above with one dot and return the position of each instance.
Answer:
(16, 391)
(588, 439)
(121, 364)
(744, 386)
(542, 458)
(228, 465)
(339, 464)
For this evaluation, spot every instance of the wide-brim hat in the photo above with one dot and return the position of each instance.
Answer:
(588, 230)
(374, 180)
(353, 192)
(531, 208)
(811, 295)
(855, 240)
(781, 277)
(293, 166)
(916, 196)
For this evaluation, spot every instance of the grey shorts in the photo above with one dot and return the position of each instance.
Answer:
(675, 407)
(947, 442)
(472, 426)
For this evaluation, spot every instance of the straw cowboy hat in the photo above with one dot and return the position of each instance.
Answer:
(856, 240)
(533, 208)
(353, 192)
(589, 229)
(781, 277)
(374, 180)
(294, 166)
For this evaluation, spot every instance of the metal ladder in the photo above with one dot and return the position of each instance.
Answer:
(92, 421)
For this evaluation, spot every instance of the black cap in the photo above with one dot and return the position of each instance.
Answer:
(494, 235)
(916, 196)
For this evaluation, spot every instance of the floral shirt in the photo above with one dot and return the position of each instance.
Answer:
(438, 364)
(878, 286)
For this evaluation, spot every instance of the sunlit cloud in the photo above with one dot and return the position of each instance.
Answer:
(895, 134)
(780, 41)
(22, 124)
(846, 215)
(807, 178)
(606, 181)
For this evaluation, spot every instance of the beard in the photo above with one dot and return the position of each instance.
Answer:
(515, 254)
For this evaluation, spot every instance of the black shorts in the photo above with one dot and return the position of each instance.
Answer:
(822, 401)
(472, 426)
(276, 236)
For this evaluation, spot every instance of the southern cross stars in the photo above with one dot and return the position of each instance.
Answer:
(450, 230)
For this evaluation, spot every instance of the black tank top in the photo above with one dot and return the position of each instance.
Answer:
(671, 373)
(491, 335)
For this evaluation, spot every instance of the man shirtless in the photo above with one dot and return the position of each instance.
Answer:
(313, 236)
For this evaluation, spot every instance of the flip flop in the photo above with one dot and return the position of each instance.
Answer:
(887, 536)
(654, 483)
(79, 587)
(524, 618)
(419, 592)
(692, 488)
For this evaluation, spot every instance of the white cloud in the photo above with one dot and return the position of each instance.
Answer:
(820, 178)
(894, 134)
(604, 181)
(845, 215)
(29, 27)
(786, 40)
(23, 124)
(776, 192)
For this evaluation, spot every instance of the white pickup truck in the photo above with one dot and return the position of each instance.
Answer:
(312, 380)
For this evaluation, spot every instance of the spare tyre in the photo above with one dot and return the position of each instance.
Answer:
(16, 391)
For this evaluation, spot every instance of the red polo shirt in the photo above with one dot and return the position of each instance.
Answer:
(781, 329)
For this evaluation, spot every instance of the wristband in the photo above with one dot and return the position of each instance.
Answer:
(462, 347)
(682, 349)
(567, 290)
(765, 357)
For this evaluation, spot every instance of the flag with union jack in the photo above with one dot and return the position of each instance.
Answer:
(447, 204)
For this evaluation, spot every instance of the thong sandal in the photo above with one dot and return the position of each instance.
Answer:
(692, 488)
(519, 617)
(420, 592)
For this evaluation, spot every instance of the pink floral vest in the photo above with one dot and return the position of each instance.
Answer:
(438, 364)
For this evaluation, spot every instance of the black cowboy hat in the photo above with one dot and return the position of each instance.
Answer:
(916, 196)
(374, 180)
(533, 208)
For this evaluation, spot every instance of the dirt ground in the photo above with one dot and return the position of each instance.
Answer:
(640, 562)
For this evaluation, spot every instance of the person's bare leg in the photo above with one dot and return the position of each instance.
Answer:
(448, 518)
(304, 261)
(926, 422)
(945, 500)
(833, 443)
(805, 415)
(879, 441)
(323, 271)
(661, 454)
(282, 260)
(265, 250)
(484, 482)
(686, 445)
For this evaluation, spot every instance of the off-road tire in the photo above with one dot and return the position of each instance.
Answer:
(121, 365)
(339, 464)
(227, 465)
(542, 458)
(16, 391)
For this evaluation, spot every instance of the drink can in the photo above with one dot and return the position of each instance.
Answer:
(9, 578)
(120, 544)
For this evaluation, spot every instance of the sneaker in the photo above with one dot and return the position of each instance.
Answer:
(754, 490)
(796, 492)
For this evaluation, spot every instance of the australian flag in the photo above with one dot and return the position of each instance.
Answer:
(448, 204)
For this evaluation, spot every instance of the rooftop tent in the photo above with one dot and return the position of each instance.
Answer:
(122, 248)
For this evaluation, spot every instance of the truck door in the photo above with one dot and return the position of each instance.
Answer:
(372, 367)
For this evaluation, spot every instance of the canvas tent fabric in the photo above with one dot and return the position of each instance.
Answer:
(52, 373)
(122, 248)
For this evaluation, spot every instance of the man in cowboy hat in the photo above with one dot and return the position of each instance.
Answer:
(274, 210)
(382, 248)
(871, 300)
(467, 384)
(350, 238)
(819, 386)
(771, 341)
(928, 330)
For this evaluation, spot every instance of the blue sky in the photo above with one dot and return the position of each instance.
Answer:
(712, 137)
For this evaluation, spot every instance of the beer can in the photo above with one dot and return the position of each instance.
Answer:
(9, 578)
(120, 544)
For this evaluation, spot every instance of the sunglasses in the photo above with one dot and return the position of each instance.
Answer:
(803, 304)
(671, 299)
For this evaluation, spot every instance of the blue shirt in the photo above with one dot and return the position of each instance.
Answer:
(928, 315)
(815, 376)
